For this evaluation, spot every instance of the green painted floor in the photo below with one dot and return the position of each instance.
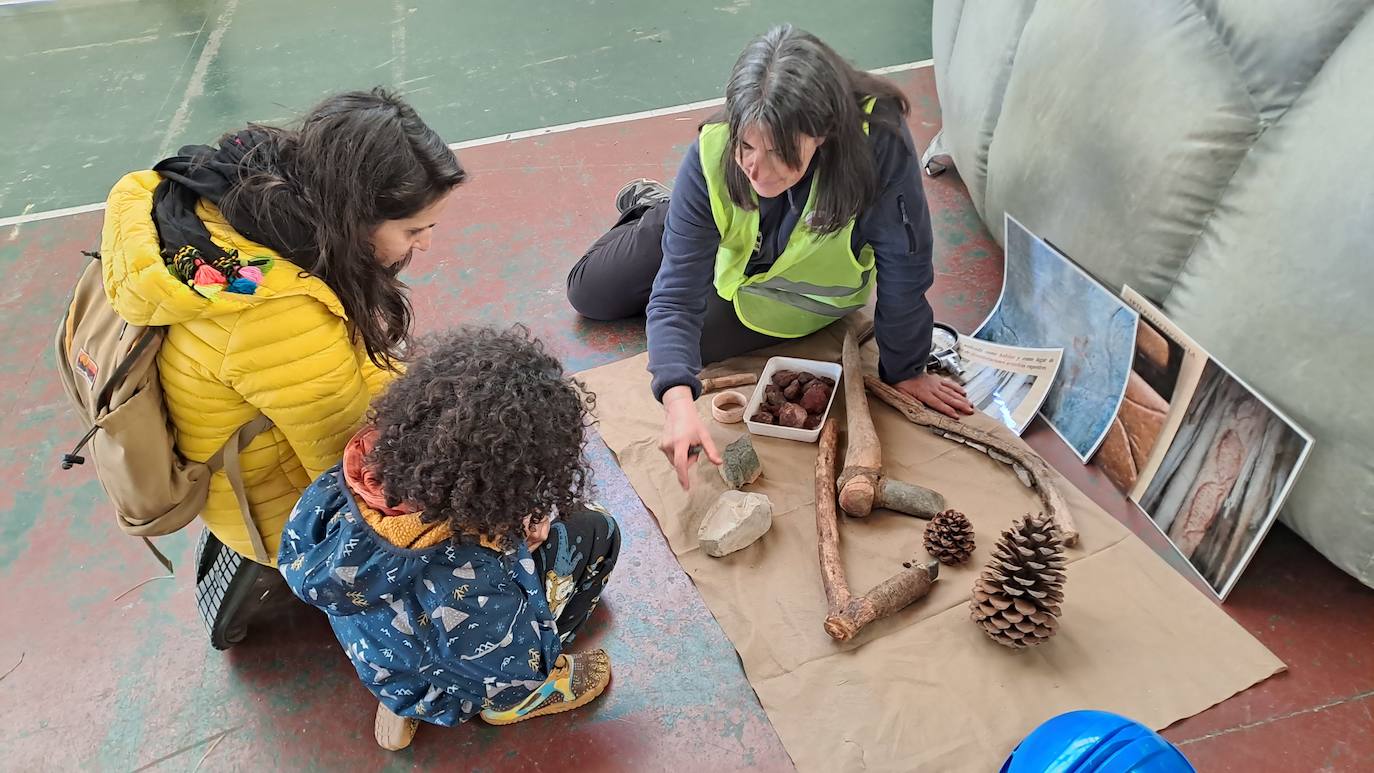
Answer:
(94, 88)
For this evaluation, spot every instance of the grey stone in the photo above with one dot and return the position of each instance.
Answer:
(741, 464)
(734, 522)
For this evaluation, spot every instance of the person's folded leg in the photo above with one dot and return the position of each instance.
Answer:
(575, 563)
(614, 278)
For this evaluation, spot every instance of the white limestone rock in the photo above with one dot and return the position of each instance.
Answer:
(734, 522)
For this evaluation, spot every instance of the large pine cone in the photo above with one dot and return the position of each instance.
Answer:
(949, 537)
(1016, 599)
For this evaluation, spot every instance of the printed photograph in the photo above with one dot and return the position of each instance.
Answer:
(1007, 383)
(1049, 302)
(1224, 477)
(1168, 364)
(1138, 426)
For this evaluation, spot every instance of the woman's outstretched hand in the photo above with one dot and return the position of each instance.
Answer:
(938, 394)
(684, 436)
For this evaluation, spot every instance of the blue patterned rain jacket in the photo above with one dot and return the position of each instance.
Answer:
(437, 633)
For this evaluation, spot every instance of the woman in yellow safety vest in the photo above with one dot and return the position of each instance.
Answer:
(792, 204)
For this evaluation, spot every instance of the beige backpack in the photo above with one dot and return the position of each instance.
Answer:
(109, 369)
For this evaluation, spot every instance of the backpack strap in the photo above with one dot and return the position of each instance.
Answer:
(227, 458)
(161, 557)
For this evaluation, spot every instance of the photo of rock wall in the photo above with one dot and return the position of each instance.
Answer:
(1224, 476)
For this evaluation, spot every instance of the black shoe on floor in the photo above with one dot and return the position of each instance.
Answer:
(640, 193)
(230, 590)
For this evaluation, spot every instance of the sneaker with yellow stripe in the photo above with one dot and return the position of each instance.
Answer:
(576, 680)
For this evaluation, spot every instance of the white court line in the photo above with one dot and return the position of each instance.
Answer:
(50, 214)
(627, 117)
(888, 70)
(507, 137)
(587, 124)
(195, 87)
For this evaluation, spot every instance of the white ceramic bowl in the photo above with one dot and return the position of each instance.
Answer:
(775, 364)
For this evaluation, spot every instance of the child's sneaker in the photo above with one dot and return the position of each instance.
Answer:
(393, 732)
(576, 680)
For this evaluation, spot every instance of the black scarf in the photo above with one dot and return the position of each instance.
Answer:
(204, 172)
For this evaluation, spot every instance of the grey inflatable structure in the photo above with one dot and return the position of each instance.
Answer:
(1218, 156)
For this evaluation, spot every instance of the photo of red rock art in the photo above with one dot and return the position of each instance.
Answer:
(1150, 391)
(1224, 476)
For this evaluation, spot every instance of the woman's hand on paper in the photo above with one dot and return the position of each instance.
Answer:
(938, 394)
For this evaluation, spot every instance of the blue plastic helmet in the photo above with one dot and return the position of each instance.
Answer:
(1095, 742)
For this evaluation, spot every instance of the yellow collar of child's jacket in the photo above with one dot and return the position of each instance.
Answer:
(411, 532)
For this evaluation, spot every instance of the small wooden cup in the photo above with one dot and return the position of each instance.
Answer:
(728, 407)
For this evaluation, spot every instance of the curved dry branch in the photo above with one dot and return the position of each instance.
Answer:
(1028, 466)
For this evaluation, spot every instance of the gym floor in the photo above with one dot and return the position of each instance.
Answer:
(104, 663)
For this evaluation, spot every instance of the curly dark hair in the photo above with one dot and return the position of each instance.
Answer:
(482, 430)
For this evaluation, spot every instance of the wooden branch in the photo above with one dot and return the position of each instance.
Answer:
(863, 455)
(1032, 470)
(865, 332)
(725, 382)
(893, 595)
(846, 615)
(827, 523)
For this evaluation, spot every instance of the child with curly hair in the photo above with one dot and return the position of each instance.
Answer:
(454, 549)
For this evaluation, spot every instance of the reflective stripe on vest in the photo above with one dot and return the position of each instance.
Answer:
(817, 278)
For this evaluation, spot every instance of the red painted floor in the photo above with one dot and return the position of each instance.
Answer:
(112, 675)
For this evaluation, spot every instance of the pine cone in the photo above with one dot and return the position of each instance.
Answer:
(1016, 599)
(949, 537)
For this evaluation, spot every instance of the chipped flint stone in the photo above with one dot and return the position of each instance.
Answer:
(734, 522)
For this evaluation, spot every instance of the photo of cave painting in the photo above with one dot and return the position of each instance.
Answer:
(1225, 476)
(1048, 301)
(1139, 422)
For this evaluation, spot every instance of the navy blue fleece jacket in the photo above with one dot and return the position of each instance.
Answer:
(897, 226)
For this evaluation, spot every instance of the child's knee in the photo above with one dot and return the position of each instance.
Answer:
(612, 536)
(597, 524)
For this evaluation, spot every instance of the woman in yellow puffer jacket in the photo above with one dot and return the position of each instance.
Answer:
(273, 260)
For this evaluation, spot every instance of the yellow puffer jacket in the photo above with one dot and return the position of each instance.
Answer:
(284, 352)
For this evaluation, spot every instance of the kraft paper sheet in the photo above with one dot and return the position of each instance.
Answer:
(924, 689)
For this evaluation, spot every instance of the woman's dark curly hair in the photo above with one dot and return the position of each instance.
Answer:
(482, 430)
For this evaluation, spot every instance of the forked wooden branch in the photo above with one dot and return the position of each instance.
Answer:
(862, 483)
(846, 614)
(1029, 467)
